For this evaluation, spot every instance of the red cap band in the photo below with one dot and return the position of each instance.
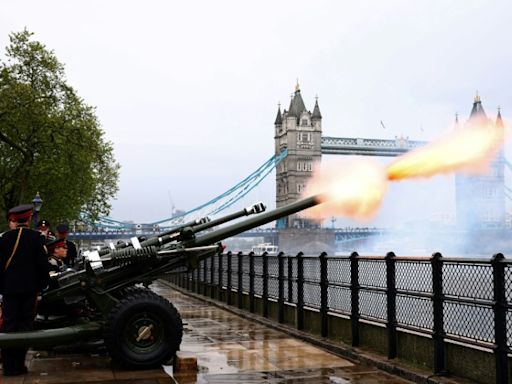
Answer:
(20, 216)
(55, 244)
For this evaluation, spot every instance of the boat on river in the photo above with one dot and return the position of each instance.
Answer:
(260, 249)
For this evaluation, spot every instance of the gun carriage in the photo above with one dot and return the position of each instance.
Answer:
(108, 297)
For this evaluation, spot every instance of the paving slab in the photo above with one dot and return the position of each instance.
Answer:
(228, 348)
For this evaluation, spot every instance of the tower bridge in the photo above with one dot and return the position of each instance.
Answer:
(299, 144)
(480, 201)
(299, 131)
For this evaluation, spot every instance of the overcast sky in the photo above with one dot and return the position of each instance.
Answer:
(187, 91)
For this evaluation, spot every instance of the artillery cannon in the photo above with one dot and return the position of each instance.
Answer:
(106, 300)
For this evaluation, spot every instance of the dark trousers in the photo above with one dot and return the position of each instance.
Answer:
(18, 312)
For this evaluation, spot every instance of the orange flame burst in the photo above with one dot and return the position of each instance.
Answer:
(355, 188)
(470, 150)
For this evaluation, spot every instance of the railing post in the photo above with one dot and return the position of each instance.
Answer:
(219, 284)
(500, 319)
(438, 301)
(300, 291)
(280, 300)
(252, 275)
(290, 280)
(391, 303)
(192, 280)
(198, 278)
(195, 278)
(354, 294)
(265, 284)
(205, 277)
(229, 278)
(240, 282)
(212, 276)
(324, 286)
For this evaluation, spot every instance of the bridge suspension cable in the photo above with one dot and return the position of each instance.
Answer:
(215, 205)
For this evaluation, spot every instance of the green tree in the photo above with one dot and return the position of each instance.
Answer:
(50, 140)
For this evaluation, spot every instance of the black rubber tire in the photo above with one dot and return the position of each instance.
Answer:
(133, 290)
(129, 316)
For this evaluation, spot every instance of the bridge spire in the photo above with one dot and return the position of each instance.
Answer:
(499, 120)
(279, 119)
(477, 98)
(297, 105)
(316, 111)
(477, 112)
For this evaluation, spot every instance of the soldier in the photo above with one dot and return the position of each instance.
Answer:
(62, 233)
(11, 224)
(57, 252)
(23, 273)
(43, 226)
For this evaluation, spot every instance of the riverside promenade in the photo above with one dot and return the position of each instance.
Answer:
(228, 348)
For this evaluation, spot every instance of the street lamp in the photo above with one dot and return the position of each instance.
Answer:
(38, 202)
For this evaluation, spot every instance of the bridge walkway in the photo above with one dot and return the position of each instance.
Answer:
(229, 349)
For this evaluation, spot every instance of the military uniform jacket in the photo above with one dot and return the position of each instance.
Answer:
(55, 264)
(28, 271)
(72, 253)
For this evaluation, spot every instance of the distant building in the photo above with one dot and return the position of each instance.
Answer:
(480, 200)
(300, 131)
(178, 212)
(442, 219)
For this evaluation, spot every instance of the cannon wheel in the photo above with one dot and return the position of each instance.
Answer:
(129, 291)
(143, 330)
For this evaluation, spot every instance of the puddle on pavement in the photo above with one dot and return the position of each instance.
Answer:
(214, 362)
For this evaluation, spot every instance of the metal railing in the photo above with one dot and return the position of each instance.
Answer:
(465, 300)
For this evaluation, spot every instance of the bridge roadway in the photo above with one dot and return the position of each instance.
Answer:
(368, 147)
(228, 348)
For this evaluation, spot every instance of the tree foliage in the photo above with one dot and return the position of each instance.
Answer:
(50, 140)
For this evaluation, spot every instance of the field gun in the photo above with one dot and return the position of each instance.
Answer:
(108, 299)
(160, 239)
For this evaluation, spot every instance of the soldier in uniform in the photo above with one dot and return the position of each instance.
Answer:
(62, 233)
(57, 252)
(11, 224)
(23, 273)
(43, 226)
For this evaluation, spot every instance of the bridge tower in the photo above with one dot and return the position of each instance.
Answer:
(480, 200)
(300, 131)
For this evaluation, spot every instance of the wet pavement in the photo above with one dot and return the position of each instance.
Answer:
(228, 349)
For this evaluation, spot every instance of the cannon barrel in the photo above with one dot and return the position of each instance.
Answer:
(261, 219)
(195, 226)
(154, 240)
(255, 208)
